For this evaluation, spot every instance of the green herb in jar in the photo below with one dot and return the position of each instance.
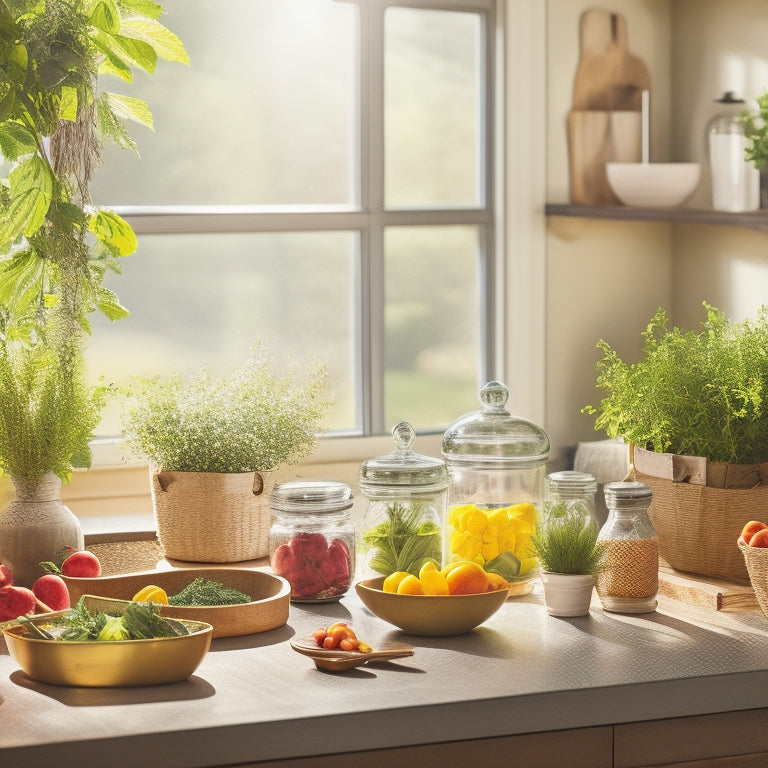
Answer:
(402, 543)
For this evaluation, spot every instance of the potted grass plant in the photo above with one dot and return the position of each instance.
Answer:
(570, 557)
(55, 244)
(215, 448)
(694, 408)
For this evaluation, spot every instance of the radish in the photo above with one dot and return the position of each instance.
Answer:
(15, 602)
(82, 564)
(6, 576)
(52, 591)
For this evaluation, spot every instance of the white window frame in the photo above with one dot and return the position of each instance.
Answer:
(513, 217)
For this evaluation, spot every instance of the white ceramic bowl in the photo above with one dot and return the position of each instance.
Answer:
(653, 185)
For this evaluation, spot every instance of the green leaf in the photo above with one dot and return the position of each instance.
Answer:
(21, 280)
(146, 8)
(6, 104)
(111, 127)
(31, 188)
(138, 52)
(68, 103)
(15, 140)
(114, 232)
(112, 64)
(109, 305)
(106, 16)
(130, 108)
(168, 46)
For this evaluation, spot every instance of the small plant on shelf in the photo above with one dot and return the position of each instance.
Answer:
(565, 542)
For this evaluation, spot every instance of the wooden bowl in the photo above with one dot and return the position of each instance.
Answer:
(430, 615)
(270, 596)
(119, 663)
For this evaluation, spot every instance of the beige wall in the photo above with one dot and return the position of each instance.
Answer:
(605, 279)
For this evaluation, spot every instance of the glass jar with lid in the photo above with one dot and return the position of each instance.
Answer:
(402, 527)
(312, 538)
(573, 492)
(496, 464)
(629, 581)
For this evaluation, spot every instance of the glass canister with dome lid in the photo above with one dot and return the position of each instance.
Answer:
(402, 527)
(496, 469)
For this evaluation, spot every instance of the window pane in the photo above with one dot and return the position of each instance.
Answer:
(264, 115)
(432, 346)
(433, 97)
(204, 299)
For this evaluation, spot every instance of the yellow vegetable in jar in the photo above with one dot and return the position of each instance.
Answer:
(151, 594)
(482, 535)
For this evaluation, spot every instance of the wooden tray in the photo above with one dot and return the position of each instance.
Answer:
(268, 609)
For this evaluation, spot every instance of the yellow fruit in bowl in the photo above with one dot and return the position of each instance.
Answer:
(433, 582)
(410, 585)
(467, 578)
(392, 582)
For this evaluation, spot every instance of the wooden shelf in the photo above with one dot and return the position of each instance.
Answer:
(757, 220)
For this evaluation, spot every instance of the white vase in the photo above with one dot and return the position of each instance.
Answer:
(34, 527)
(567, 594)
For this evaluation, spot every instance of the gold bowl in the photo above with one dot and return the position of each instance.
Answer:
(430, 615)
(101, 664)
(270, 596)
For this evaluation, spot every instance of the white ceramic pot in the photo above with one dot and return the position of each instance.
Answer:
(567, 594)
(34, 527)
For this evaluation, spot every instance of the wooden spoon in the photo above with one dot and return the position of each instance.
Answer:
(336, 660)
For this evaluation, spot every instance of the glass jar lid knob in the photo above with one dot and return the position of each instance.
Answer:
(494, 396)
(404, 435)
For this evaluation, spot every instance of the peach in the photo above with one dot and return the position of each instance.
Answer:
(751, 528)
(82, 564)
(467, 579)
(759, 539)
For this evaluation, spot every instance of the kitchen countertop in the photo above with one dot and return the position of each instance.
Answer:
(523, 671)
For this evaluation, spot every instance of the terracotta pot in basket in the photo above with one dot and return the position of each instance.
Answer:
(211, 517)
(699, 508)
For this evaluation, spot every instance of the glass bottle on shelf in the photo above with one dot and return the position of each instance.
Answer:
(402, 528)
(629, 581)
(735, 180)
(496, 465)
(312, 539)
(575, 491)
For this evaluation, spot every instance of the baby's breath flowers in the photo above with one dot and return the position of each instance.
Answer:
(252, 420)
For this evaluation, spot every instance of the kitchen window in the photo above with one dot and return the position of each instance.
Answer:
(322, 177)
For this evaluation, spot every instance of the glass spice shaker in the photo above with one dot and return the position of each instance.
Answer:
(573, 492)
(629, 582)
(312, 539)
(407, 495)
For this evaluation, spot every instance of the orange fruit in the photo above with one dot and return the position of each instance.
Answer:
(496, 582)
(468, 578)
(751, 528)
(760, 539)
(410, 585)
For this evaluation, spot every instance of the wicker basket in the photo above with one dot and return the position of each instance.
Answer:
(756, 559)
(697, 523)
(208, 517)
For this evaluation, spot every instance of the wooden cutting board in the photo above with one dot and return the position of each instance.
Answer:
(604, 124)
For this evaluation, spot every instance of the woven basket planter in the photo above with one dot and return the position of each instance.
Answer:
(699, 508)
(210, 517)
(756, 559)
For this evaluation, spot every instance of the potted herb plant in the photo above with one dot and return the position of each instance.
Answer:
(570, 556)
(215, 446)
(694, 408)
(55, 244)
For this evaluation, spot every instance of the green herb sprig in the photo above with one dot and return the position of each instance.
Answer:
(756, 131)
(699, 393)
(566, 543)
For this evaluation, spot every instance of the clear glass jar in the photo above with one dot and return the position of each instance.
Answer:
(573, 491)
(312, 539)
(496, 464)
(407, 494)
(629, 582)
(735, 180)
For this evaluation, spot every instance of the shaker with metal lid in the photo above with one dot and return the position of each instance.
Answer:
(402, 528)
(735, 180)
(496, 464)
